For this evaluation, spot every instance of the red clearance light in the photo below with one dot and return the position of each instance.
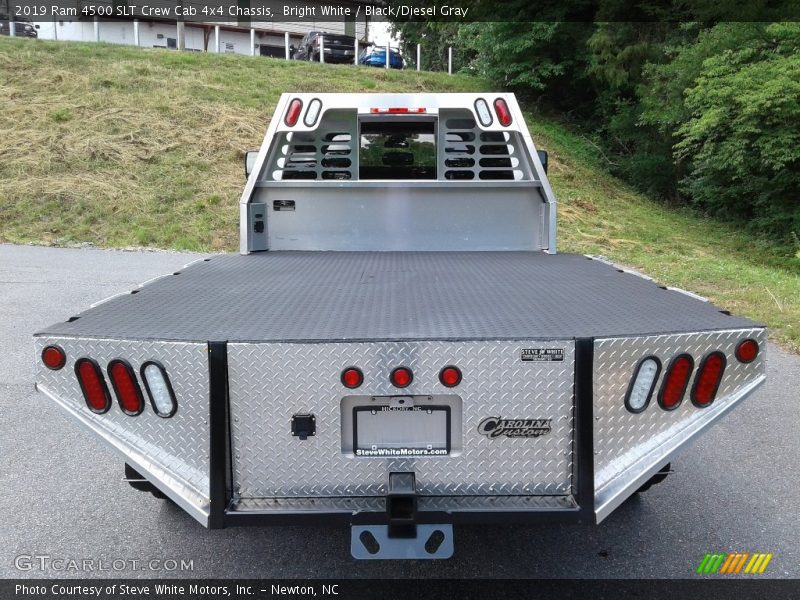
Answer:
(746, 351)
(54, 358)
(675, 382)
(352, 377)
(398, 110)
(503, 114)
(93, 385)
(450, 376)
(293, 113)
(126, 387)
(401, 377)
(709, 376)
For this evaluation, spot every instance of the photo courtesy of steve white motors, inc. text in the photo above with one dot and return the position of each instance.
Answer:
(193, 590)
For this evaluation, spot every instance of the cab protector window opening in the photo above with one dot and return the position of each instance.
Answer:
(397, 150)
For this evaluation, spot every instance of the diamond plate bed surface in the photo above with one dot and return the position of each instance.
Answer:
(327, 296)
(271, 382)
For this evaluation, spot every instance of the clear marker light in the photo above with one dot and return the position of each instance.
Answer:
(159, 389)
(482, 108)
(642, 384)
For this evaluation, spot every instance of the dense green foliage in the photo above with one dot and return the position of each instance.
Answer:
(702, 114)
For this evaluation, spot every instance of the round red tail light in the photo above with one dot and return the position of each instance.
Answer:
(126, 387)
(293, 112)
(709, 376)
(352, 377)
(54, 358)
(746, 351)
(450, 376)
(93, 385)
(675, 382)
(503, 114)
(401, 377)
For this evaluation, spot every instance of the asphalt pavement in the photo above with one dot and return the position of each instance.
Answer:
(736, 489)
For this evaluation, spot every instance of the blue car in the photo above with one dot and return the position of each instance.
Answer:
(375, 56)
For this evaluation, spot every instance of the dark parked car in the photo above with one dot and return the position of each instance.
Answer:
(375, 56)
(22, 27)
(338, 48)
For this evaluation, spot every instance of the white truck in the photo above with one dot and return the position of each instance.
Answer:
(398, 347)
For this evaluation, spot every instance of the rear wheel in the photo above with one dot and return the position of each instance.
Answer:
(137, 482)
(656, 479)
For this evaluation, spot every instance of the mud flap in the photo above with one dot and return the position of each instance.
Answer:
(374, 542)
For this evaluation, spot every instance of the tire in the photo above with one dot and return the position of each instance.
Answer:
(142, 486)
(656, 479)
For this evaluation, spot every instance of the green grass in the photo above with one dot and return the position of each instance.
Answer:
(129, 147)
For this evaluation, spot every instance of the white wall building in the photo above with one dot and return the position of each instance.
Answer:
(268, 38)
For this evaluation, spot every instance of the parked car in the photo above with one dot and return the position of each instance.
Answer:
(338, 48)
(375, 56)
(22, 27)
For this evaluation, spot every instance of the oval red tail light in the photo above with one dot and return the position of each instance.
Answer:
(54, 358)
(747, 351)
(352, 377)
(709, 376)
(450, 376)
(675, 382)
(93, 385)
(401, 377)
(503, 114)
(293, 112)
(126, 387)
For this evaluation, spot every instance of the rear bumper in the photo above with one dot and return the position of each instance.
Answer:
(203, 459)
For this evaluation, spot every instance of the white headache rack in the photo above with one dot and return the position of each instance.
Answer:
(397, 172)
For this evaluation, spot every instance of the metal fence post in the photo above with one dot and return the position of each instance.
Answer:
(96, 29)
(450, 60)
(216, 38)
(136, 32)
(355, 52)
(12, 26)
(322, 48)
(55, 29)
(252, 42)
(419, 57)
(286, 45)
(387, 55)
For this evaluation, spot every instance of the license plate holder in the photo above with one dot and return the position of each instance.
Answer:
(388, 431)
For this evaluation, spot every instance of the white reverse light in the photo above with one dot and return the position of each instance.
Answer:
(484, 114)
(158, 387)
(312, 112)
(642, 384)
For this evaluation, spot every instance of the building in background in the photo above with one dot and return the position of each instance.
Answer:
(268, 37)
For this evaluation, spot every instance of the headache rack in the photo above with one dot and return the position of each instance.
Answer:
(420, 171)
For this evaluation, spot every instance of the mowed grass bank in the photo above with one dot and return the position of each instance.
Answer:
(128, 147)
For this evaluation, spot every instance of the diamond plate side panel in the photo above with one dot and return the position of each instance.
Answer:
(621, 438)
(272, 381)
(178, 445)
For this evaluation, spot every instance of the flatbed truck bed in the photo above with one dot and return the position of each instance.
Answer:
(367, 296)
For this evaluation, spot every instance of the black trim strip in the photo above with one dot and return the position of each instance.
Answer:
(584, 428)
(219, 434)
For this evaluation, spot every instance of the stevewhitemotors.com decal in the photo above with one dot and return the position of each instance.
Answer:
(493, 427)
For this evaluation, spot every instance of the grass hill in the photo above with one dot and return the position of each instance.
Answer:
(122, 146)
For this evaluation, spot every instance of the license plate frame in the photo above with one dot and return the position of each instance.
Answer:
(412, 449)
